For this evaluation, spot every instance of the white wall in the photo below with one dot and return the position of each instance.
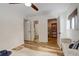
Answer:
(71, 34)
(11, 28)
(63, 26)
(43, 30)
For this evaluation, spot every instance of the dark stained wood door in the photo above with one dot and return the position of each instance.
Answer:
(54, 30)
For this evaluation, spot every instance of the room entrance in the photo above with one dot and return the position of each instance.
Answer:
(27, 30)
(52, 31)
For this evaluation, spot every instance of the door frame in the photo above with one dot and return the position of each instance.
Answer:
(47, 24)
(25, 20)
(58, 31)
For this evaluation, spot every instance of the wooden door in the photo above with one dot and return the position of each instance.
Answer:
(54, 30)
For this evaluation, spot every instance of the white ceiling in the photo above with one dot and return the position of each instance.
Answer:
(44, 8)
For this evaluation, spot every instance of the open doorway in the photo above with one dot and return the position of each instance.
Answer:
(27, 30)
(52, 31)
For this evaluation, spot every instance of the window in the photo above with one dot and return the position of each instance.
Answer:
(72, 23)
(72, 20)
(68, 24)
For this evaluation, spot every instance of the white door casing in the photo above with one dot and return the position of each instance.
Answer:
(27, 30)
(58, 32)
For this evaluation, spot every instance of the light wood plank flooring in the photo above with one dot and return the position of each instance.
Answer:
(50, 47)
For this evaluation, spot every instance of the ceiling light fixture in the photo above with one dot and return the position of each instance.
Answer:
(28, 4)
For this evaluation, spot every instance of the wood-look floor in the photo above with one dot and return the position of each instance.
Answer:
(50, 47)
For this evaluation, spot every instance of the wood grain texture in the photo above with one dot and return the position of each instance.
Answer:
(51, 47)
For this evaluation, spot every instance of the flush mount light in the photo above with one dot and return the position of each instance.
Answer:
(28, 4)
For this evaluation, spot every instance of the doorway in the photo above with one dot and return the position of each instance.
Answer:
(27, 30)
(52, 31)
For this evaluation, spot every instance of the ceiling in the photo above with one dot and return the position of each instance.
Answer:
(44, 8)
